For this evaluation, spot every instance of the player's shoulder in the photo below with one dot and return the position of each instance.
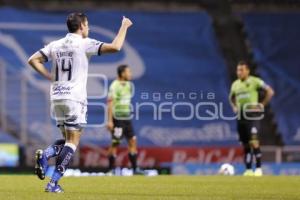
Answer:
(236, 82)
(254, 78)
(129, 84)
(114, 83)
(90, 41)
(56, 42)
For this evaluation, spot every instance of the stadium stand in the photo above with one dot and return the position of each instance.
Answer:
(275, 43)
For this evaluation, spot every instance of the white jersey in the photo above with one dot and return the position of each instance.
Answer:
(70, 58)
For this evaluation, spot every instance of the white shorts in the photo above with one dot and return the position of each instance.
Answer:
(69, 114)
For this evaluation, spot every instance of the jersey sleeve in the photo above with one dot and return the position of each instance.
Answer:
(92, 47)
(46, 52)
(232, 92)
(111, 92)
(260, 83)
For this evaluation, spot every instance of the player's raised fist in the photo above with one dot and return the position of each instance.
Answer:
(126, 22)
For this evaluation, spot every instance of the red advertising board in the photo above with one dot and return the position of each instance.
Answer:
(94, 156)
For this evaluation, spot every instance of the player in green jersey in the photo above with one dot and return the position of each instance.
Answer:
(244, 99)
(119, 123)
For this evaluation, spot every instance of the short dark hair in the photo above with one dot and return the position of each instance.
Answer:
(243, 62)
(121, 69)
(74, 21)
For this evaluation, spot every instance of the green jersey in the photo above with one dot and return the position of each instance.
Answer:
(246, 92)
(120, 93)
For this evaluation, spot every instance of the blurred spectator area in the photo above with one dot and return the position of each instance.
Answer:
(176, 5)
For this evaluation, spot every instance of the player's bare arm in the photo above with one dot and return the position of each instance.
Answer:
(110, 124)
(37, 63)
(233, 103)
(117, 43)
(268, 96)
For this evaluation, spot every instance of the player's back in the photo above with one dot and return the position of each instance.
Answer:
(70, 56)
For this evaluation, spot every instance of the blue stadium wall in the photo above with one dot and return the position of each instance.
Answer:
(275, 41)
(170, 53)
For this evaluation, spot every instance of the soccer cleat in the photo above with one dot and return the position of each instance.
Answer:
(40, 164)
(110, 173)
(138, 171)
(258, 172)
(248, 172)
(54, 188)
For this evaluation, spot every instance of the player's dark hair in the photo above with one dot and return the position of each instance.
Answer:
(243, 62)
(121, 69)
(74, 21)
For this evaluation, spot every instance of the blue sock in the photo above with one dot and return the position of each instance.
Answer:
(62, 162)
(54, 149)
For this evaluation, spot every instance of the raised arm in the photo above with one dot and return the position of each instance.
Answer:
(117, 43)
(37, 61)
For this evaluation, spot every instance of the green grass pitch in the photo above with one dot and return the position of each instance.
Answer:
(160, 187)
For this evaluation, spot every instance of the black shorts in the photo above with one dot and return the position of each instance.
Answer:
(248, 131)
(122, 128)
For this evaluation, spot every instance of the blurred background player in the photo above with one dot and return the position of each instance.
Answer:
(119, 123)
(70, 58)
(244, 99)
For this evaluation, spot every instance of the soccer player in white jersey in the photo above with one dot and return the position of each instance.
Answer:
(70, 57)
